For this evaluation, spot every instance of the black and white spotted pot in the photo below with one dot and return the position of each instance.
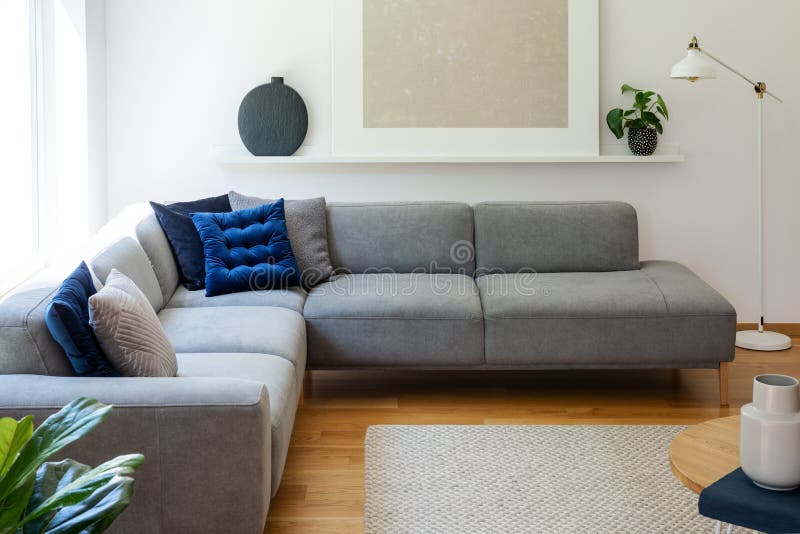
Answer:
(642, 141)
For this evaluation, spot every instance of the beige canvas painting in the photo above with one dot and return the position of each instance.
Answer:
(465, 63)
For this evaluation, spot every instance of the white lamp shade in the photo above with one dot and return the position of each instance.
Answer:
(693, 67)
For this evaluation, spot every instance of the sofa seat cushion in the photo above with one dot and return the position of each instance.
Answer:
(291, 298)
(382, 320)
(660, 316)
(237, 329)
(278, 375)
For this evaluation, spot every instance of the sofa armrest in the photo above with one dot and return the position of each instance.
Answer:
(206, 443)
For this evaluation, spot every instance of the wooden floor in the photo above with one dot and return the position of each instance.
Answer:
(322, 489)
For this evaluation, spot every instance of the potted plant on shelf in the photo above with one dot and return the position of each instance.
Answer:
(642, 120)
(67, 497)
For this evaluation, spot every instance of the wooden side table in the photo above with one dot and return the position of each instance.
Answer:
(704, 453)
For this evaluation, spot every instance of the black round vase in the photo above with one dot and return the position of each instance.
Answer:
(273, 120)
(642, 141)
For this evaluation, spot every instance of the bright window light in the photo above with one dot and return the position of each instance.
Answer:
(18, 191)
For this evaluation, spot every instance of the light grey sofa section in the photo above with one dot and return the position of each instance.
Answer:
(392, 320)
(279, 378)
(155, 244)
(227, 348)
(292, 298)
(551, 237)
(129, 258)
(528, 285)
(405, 295)
(243, 329)
(660, 316)
(186, 428)
(26, 345)
(401, 237)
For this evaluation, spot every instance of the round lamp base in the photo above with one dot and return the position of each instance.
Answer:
(755, 340)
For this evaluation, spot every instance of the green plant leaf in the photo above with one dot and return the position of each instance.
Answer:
(651, 118)
(50, 477)
(67, 483)
(614, 121)
(13, 435)
(629, 112)
(642, 100)
(13, 506)
(628, 89)
(637, 123)
(59, 430)
(662, 107)
(94, 513)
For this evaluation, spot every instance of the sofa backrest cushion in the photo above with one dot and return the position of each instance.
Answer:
(556, 237)
(155, 244)
(26, 346)
(127, 256)
(401, 237)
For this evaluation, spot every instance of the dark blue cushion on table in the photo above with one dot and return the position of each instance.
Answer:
(735, 499)
(183, 238)
(67, 319)
(247, 250)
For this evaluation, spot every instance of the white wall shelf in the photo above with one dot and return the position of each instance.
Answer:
(238, 155)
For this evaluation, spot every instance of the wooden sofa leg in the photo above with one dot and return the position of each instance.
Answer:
(305, 387)
(723, 383)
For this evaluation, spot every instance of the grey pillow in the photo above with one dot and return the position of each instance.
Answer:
(307, 224)
(128, 330)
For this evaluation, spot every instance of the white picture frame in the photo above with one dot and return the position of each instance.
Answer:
(351, 139)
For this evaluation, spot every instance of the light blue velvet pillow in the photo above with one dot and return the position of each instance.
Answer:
(247, 250)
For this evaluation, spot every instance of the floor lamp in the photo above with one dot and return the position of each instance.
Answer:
(694, 67)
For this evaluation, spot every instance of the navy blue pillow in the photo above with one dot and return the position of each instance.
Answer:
(67, 319)
(247, 250)
(182, 235)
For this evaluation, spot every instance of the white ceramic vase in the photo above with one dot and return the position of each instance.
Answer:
(770, 436)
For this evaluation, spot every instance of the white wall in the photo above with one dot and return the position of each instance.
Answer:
(177, 71)
(72, 174)
(96, 120)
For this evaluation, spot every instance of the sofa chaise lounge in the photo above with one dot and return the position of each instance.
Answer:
(423, 285)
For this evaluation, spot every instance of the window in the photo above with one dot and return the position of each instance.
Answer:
(19, 197)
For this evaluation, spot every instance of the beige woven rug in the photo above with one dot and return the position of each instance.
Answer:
(526, 479)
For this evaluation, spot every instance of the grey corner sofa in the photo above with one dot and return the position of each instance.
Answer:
(436, 285)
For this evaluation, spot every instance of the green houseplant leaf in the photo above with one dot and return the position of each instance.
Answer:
(67, 483)
(13, 506)
(662, 107)
(13, 435)
(63, 488)
(637, 123)
(59, 430)
(60, 497)
(614, 121)
(642, 100)
(644, 112)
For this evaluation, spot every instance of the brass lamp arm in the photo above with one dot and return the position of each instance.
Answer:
(760, 87)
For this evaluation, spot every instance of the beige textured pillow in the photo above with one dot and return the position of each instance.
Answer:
(128, 330)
